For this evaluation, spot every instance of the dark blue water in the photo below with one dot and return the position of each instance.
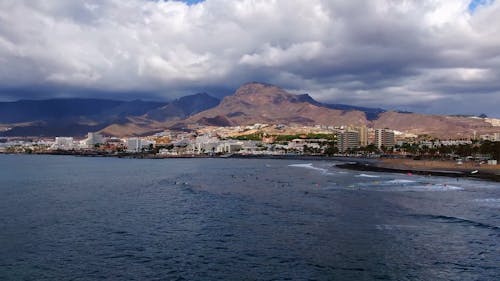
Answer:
(71, 218)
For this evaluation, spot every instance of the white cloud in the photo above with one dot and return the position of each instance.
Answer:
(391, 52)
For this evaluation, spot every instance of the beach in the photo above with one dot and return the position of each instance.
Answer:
(428, 167)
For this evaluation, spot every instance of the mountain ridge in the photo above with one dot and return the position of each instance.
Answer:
(77, 116)
(264, 103)
(251, 103)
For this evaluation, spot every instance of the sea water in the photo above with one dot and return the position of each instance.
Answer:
(76, 218)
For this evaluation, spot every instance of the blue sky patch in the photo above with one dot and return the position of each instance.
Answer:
(474, 4)
(192, 2)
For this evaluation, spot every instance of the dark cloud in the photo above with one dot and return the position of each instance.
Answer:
(430, 56)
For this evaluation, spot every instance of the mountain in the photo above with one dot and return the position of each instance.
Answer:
(183, 107)
(158, 119)
(264, 103)
(371, 113)
(251, 103)
(38, 110)
(76, 117)
(440, 126)
(57, 109)
(72, 116)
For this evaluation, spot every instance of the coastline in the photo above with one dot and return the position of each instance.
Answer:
(380, 166)
(227, 156)
(401, 166)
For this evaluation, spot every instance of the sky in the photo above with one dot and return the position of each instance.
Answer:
(429, 56)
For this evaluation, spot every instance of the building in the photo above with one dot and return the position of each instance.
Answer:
(384, 138)
(492, 137)
(63, 143)
(348, 140)
(363, 135)
(229, 147)
(300, 144)
(93, 139)
(134, 144)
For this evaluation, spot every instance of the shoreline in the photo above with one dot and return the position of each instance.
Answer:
(359, 166)
(230, 156)
(349, 163)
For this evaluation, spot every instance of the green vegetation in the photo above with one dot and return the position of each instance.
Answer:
(486, 148)
(283, 138)
(331, 149)
(491, 148)
(250, 137)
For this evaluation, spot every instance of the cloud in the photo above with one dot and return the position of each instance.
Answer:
(418, 55)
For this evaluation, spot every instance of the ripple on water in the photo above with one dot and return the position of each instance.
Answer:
(457, 220)
(488, 202)
(233, 219)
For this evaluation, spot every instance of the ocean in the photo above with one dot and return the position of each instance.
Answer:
(81, 218)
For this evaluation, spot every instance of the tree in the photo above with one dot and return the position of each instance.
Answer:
(371, 148)
(490, 148)
(331, 149)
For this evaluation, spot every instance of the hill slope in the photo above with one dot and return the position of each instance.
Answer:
(263, 103)
(67, 117)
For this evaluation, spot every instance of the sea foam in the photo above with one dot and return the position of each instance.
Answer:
(310, 166)
(367, 176)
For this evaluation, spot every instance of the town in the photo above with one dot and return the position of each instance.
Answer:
(267, 140)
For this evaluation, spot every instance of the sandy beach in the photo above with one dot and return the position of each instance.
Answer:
(428, 167)
(445, 165)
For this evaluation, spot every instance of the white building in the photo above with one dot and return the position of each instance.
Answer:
(63, 143)
(137, 144)
(93, 139)
(492, 137)
(133, 144)
(204, 144)
(229, 147)
(299, 144)
(454, 142)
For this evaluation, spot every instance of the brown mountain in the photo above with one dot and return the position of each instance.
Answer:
(262, 103)
(183, 107)
(440, 126)
(157, 119)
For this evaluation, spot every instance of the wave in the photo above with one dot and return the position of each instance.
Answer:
(393, 226)
(396, 181)
(489, 202)
(367, 176)
(457, 220)
(440, 187)
(310, 166)
(415, 185)
(402, 185)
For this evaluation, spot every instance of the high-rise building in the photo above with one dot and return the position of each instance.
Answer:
(348, 139)
(363, 135)
(385, 138)
(134, 144)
